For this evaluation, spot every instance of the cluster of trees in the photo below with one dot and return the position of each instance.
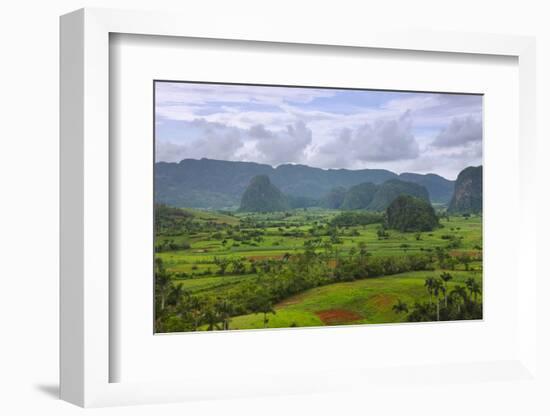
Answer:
(445, 305)
(171, 245)
(179, 310)
(237, 265)
(170, 222)
(354, 218)
(449, 262)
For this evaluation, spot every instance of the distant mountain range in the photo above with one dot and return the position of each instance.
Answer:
(219, 184)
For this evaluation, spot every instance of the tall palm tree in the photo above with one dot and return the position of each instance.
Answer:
(476, 290)
(224, 310)
(429, 285)
(196, 311)
(437, 289)
(211, 317)
(459, 296)
(175, 294)
(446, 277)
(474, 287)
(163, 283)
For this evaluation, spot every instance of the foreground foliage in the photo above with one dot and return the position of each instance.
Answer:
(303, 267)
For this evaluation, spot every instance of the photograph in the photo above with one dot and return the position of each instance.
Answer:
(282, 206)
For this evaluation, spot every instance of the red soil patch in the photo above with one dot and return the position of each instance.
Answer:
(337, 316)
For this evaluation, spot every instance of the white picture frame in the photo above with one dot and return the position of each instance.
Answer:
(85, 210)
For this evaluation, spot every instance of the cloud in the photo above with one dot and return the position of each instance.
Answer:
(284, 146)
(203, 139)
(380, 141)
(459, 132)
(319, 127)
(200, 138)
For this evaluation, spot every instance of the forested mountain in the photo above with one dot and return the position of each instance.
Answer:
(407, 213)
(359, 196)
(217, 184)
(377, 197)
(439, 188)
(335, 198)
(389, 190)
(262, 196)
(468, 193)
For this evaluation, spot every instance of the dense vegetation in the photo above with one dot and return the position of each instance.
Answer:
(407, 213)
(300, 246)
(304, 267)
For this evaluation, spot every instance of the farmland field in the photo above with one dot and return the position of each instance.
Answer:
(217, 256)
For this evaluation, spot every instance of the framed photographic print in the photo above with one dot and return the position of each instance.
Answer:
(288, 206)
(280, 213)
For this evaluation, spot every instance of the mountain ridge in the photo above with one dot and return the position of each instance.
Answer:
(210, 183)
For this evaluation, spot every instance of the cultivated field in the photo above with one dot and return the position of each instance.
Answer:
(219, 258)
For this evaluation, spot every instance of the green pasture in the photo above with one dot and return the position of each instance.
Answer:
(200, 256)
(366, 301)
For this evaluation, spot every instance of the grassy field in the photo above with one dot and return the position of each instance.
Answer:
(276, 244)
(208, 238)
(366, 301)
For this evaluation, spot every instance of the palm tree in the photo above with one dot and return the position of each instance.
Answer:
(429, 285)
(459, 296)
(224, 309)
(474, 288)
(263, 303)
(437, 289)
(446, 277)
(163, 282)
(211, 317)
(400, 307)
(465, 259)
(175, 294)
(196, 311)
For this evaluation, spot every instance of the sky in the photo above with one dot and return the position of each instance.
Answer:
(325, 128)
